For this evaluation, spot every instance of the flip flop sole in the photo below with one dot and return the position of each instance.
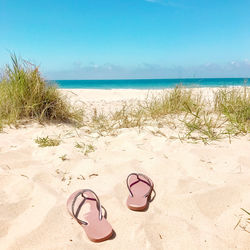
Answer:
(96, 230)
(139, 188)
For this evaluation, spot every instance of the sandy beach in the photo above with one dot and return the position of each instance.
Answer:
(200, 189)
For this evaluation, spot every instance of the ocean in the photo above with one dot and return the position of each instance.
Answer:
(150, 83)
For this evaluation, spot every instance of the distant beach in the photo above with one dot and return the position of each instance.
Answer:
(151, 83)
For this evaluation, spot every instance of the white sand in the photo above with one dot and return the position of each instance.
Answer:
(199, 188)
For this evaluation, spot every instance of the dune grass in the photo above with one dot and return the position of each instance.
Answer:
(64, 157)
(248, 213)
(227, 115)
(85, 148)
(244, 221)
(47, 142)
(24, 94)
(129, 116)
(101, 123)
(176, 101)
(234, 104)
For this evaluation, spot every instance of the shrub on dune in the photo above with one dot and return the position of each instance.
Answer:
(24, 94)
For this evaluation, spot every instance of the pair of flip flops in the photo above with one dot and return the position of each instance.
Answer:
(94, 222)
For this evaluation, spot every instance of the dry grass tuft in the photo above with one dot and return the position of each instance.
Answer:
(195, 117)
(176, 101)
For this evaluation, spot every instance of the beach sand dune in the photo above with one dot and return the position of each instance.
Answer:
(200, 189)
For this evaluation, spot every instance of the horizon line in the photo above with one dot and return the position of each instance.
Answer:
(115, 79)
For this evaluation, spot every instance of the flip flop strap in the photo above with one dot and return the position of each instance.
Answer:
(75, 214)
(149, 183)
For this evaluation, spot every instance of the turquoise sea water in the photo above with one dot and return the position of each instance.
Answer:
(151, 83)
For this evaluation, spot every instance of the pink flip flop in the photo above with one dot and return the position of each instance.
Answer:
(95, 225)
(140, 188)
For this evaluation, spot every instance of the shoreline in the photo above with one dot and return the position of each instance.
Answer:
(161, 88)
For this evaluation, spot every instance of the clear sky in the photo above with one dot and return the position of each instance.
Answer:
(103, 39)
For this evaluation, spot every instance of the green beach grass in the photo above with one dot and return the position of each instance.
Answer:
(234, 104)
(24, 94)
(47, 142)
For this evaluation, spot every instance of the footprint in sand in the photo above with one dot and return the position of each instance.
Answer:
(15, 198)
(214, 202)
(191, 185)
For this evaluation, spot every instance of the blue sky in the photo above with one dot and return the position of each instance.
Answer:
(112, 39)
